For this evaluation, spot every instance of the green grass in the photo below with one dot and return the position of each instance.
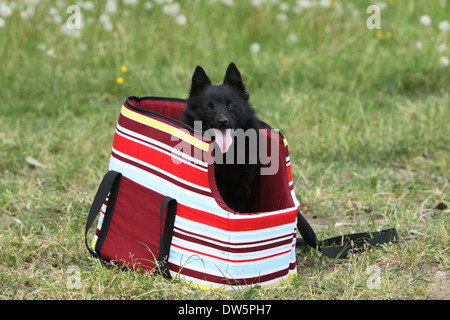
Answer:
(365, 112)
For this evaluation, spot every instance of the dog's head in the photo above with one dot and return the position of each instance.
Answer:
(222, 108)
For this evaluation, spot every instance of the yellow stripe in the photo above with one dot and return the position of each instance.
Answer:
(206, 287)
(285, 142)
(94, 242)
(166, 128)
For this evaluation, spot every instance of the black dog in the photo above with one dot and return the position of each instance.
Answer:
(224, 109)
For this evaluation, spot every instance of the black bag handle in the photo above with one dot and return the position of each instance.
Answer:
(111, 179)
(354, 242)
(165, 238)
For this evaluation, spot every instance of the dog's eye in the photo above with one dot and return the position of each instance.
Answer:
(209, 106)
(231, 106)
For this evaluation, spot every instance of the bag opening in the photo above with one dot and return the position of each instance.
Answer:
(271, 192)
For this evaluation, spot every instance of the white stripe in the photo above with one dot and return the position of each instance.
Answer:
(165, 187)
(161, 171)
(171, 151)
(236, 237)
(205, 283)
(236, 245)
(181, 134)
(263, 258)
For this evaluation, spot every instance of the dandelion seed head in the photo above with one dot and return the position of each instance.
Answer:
(255, 47)
(130, 2)
(111, 6)
(171, 9)
(425, 20)
(229, 3)
(51, 53)
(148, 5)
(292, 38)
(444, 26)
(181, 19)
(283, 17)
(442, 47)
(284, 7)
(5, 10)
(444, 61)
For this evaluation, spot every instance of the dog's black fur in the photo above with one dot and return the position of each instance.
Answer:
(222, 107)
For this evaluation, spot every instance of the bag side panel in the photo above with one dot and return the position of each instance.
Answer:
(134, 232)
(240, 251)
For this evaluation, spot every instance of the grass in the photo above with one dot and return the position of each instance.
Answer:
(365, 112)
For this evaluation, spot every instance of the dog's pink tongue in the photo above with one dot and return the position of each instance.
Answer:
(223, 139)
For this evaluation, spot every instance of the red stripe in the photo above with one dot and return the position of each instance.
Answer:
(160, 160)
(157, 134)
(232, 282)
(228, 248)
(161, 175)
(256, 222)
(289, 173)
(231, 243)
(160, 149)
(231, 260)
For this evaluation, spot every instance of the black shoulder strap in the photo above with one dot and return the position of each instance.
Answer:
(165, 238)
(347, 243)
(109, 180)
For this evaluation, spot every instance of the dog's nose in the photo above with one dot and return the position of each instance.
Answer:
(222, 121)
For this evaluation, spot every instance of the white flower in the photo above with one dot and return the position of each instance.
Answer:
(444, 26)
(130, 2)
(111, 6)
(292, 38)
(425, 20)
(257, 3)
(229, 3)
(5, 10)
(148, 5)
(419, 45)
(42, 46)
(56, 19)
(108, 26)
(2, 22)
(284, 7)
(104, 18)
(53, 11)
(28, 13)
(51, 53)
(87, 5)
(304, 4)
(282, 17)
(181, 20)
(255, 47)
(444, 61)
(442, 47)
(325, 3)
(172, 9)
(71, 32)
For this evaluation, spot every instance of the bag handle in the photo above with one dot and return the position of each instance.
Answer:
(354, 242)
(109, 181)
(165, 238)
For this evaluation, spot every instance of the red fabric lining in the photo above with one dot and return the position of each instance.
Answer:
(166, 107)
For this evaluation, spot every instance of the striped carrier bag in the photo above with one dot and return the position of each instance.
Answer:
(159, 209)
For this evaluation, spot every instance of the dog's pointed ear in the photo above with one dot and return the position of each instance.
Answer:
(233, 78)
(199, 80)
